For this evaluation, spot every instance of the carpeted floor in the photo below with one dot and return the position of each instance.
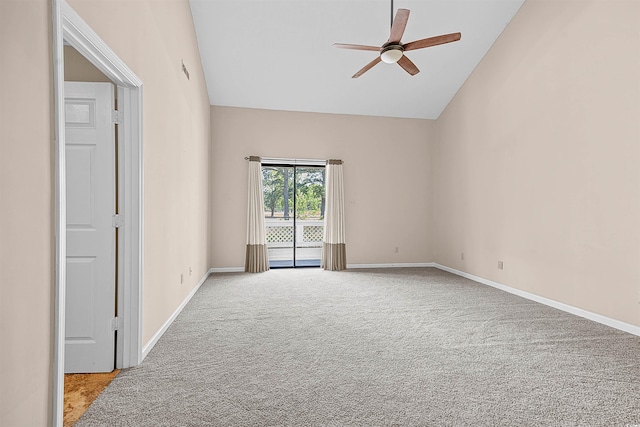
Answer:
(388, 347)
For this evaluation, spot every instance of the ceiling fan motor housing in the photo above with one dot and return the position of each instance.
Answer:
(391, 52)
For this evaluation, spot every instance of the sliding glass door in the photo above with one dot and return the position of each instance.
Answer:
(294, 198)
(277, 182)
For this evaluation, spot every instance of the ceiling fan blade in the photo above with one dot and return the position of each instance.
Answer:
(366, 68)
(432, 41)
(408, 66)
(399, 24)
(356, 47)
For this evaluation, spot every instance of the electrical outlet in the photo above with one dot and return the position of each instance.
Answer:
(397, 250)
(500, 265)
(462, 256)
(181, 278)
(190, 271)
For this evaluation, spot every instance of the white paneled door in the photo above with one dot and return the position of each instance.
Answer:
(91, 236)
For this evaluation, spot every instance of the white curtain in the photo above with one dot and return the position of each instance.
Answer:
(257, 258)
(334, 254)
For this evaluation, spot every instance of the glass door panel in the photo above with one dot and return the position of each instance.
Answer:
(309, 215)
(278, 190)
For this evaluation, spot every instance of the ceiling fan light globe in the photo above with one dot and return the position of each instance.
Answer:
(391, 56)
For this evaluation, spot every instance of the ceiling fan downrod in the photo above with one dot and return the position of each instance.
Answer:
(391, 13)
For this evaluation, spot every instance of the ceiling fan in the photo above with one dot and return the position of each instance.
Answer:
(393, 50)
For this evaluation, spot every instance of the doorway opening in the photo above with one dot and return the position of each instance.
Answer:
(70, 30)
(294, 202)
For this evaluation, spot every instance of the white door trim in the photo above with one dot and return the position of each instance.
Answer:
(69, 28)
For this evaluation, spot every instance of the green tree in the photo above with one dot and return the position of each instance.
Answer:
(275, 188)
(278, 194)
(285, 194)
(310, 193)
(272, 185)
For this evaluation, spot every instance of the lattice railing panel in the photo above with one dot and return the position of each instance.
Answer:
(313, 233)
(280, 234)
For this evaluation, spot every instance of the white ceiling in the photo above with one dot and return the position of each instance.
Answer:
(278, 54)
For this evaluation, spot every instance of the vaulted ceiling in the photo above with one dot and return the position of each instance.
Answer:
(279, 54)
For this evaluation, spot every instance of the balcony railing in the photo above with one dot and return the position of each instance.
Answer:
(308, 239)
(280, 232)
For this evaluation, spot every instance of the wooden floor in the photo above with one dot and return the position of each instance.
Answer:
(80, 390)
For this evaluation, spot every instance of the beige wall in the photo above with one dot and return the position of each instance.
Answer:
(153, 38)
(387, 175)
(78, 69)
(537, 161)
(26, 214)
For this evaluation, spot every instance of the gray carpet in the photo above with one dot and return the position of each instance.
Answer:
(388, 347)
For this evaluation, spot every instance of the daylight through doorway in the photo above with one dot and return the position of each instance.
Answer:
(294, 201)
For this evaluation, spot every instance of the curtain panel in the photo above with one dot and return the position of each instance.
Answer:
(257, 258)
(334, 253)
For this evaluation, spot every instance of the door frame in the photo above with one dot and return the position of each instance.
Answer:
(69, 28)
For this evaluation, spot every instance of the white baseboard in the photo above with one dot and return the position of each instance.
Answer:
(153, 341)
(626, 327)
(395, 265)
(227, 270)
(353, 266)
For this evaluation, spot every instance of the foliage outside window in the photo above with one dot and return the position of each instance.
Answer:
(278, 187)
